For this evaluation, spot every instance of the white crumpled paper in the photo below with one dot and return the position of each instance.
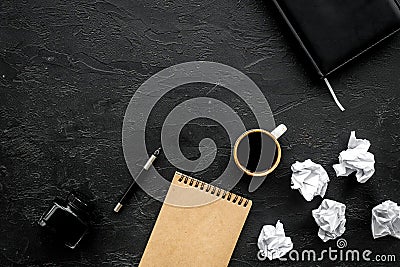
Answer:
(273, 242)
(386, 220)
(330, 217)
(356, 159)
(310, 179)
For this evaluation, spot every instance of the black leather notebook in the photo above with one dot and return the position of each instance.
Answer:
(333, 32)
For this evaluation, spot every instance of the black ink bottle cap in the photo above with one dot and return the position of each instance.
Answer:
(68, 219)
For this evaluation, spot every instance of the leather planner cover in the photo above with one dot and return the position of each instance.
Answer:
(333, 32)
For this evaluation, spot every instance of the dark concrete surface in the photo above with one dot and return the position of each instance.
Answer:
(69, 68)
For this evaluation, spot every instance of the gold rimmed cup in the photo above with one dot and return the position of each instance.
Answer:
(274, 135)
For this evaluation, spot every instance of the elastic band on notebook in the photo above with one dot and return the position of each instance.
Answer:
(333, 95)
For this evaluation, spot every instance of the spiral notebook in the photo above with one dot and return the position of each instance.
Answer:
(189, 233)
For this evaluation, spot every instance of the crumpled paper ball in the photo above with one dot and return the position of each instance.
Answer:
(386, 220)
(330, 217)
(356, 159)
(310, 179)
(272, 241)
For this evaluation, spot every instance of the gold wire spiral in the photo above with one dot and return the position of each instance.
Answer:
(213, 190)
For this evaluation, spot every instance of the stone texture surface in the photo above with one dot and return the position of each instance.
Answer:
(69, 68)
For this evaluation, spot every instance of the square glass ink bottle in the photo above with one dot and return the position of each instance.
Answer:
(68, 219)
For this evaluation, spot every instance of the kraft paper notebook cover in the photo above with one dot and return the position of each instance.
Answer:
(196, 235)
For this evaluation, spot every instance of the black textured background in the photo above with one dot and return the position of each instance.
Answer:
(69, 68)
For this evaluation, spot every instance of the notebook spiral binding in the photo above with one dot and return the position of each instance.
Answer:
(213, 190)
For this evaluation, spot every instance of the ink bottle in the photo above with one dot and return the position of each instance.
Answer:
(68, 219)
